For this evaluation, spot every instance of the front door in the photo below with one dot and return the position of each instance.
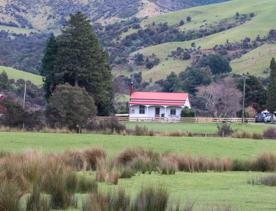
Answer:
(157, 112)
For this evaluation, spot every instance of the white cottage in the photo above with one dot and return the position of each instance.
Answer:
(157, 105)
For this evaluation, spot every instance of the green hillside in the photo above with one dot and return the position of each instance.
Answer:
(264, 20)
(18, 74)
(255, 62)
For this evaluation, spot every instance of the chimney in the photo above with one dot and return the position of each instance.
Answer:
(131, 87)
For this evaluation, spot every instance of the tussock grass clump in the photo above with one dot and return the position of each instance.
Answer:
(242, 165)
(22, 170)
(148, 199)
(167, 166)
(126, 172)
(270, 133)
(75, 159)
(268, 180)
(107, 202)
(151, 199)
(92, 156)
(243, 134)
(37, 201)
(224, 129)
(86, 185)
(143, 131)
(57, 181)
(129, 154)
(190, 164)
(265, 162)
(107, 172)
(9, 196)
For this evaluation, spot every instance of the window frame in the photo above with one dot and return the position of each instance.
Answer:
(173, 111)
(142, 109)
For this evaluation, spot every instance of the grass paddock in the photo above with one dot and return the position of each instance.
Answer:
(208, 191)
(113, 144)
(198, 127)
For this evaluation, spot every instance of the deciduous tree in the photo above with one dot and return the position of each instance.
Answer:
(222, 98)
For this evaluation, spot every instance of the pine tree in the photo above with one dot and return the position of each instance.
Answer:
(47, 67)
(271, 91)
(80, 61)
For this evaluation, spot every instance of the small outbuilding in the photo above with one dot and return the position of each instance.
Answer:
(157, 106)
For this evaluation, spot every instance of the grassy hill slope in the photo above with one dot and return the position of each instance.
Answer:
(18, 74)
(255, 62)
(260, 25)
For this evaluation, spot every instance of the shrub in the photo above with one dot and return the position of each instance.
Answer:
(224, 130)
(187, 112)
(70, 107)
(9, 196)
(270, 133)
(14, 113)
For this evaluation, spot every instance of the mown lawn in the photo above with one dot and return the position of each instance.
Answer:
(198, 127)
(113, 144)
(208, 190)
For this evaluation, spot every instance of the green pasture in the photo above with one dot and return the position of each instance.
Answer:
(198, 127)
(208, 191)
(18, 74)
(261, 24)
(16, 30)
(255, 62)
(113, 144)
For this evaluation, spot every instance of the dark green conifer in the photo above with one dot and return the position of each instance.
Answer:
(80, 61)
(47, 67)
(271, 91)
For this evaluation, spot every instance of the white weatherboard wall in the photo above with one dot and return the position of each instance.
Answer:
(150, 112)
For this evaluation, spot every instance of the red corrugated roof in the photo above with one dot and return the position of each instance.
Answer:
(158, 98)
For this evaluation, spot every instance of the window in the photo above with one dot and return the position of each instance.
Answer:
(142, 109)
(173, 111)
